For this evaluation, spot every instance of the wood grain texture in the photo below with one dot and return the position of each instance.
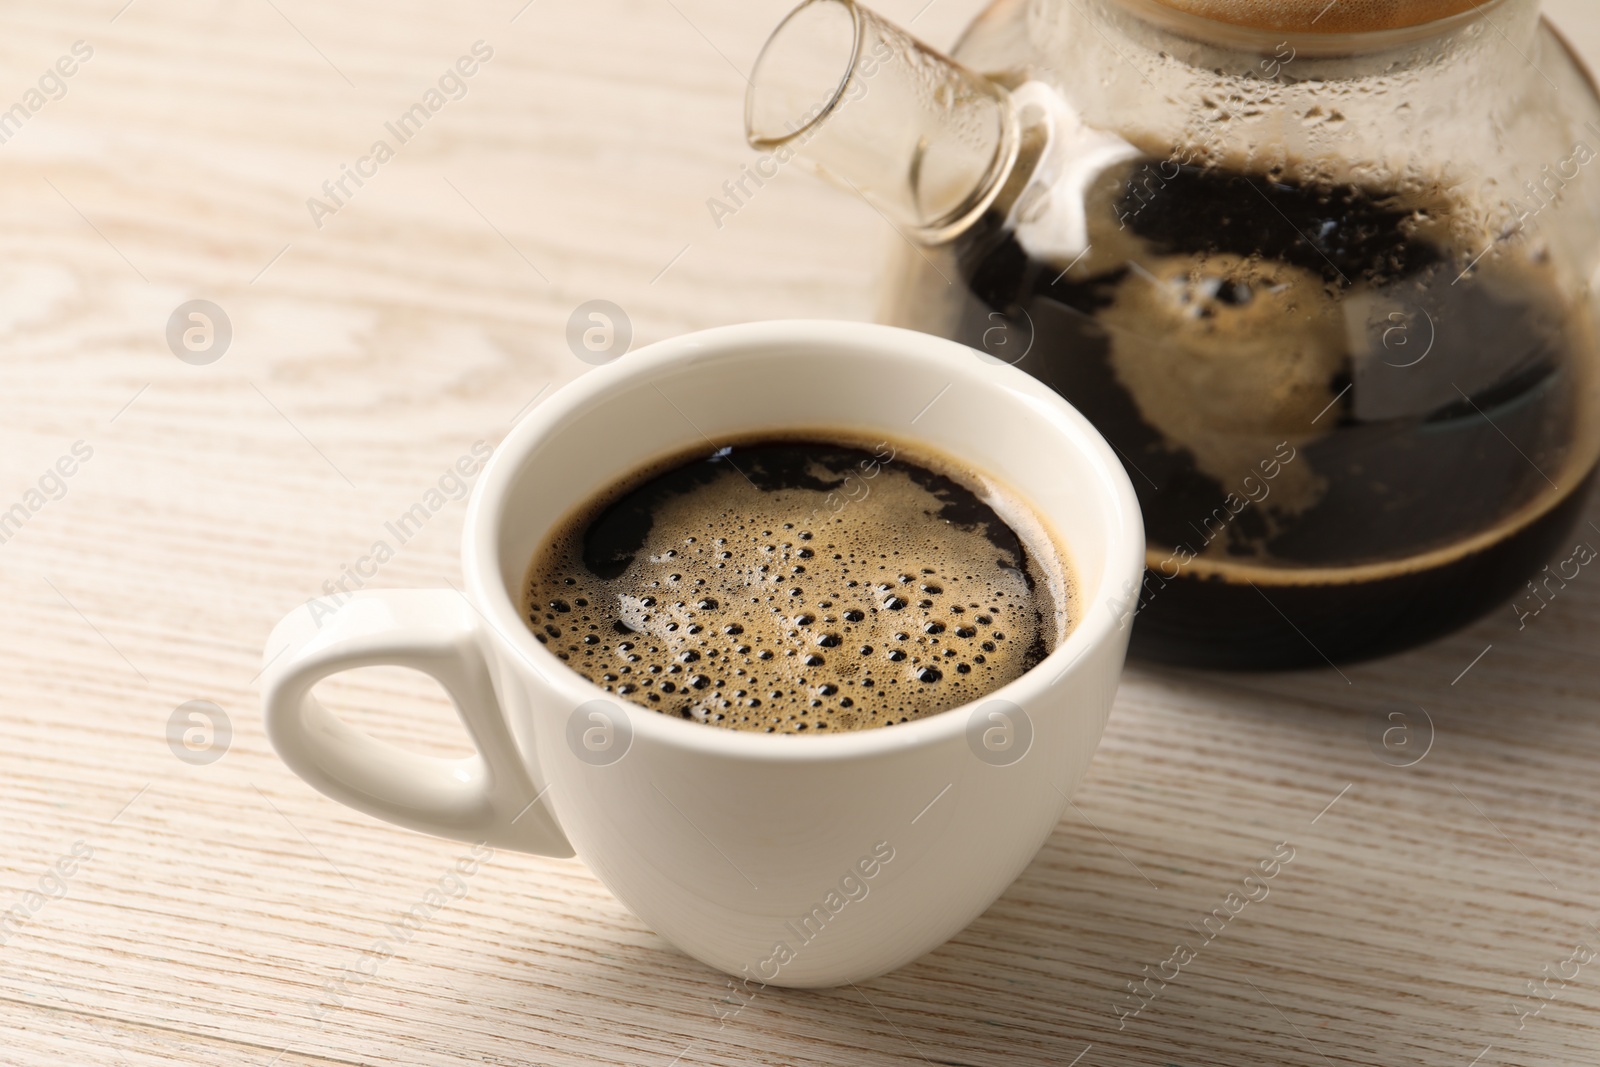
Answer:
(423, 316)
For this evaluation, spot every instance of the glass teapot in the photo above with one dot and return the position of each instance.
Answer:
(1319, 271)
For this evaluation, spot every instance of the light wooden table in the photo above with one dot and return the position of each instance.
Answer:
(208, 904)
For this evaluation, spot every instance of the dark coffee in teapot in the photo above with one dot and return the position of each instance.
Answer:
(1349, 428)
(1320, 273)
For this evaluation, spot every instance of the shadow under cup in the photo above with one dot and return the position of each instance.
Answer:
(750, 851)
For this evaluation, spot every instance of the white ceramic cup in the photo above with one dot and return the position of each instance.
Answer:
(805, 860)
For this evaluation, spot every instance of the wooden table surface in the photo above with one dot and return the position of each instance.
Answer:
(189, 912)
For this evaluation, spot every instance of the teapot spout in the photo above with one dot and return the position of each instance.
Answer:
(924, 140)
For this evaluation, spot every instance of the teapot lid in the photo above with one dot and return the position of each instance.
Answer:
(1323, 16)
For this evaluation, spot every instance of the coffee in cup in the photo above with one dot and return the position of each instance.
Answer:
(800, 584)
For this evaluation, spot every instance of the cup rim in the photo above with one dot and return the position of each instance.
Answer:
(1123, 569)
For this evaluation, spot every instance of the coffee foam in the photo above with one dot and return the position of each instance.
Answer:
(803, 609)
(1320, 16)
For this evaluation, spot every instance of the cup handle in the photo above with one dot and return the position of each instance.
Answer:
(485, 797)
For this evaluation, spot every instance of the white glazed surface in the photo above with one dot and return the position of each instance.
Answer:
(722, 841)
